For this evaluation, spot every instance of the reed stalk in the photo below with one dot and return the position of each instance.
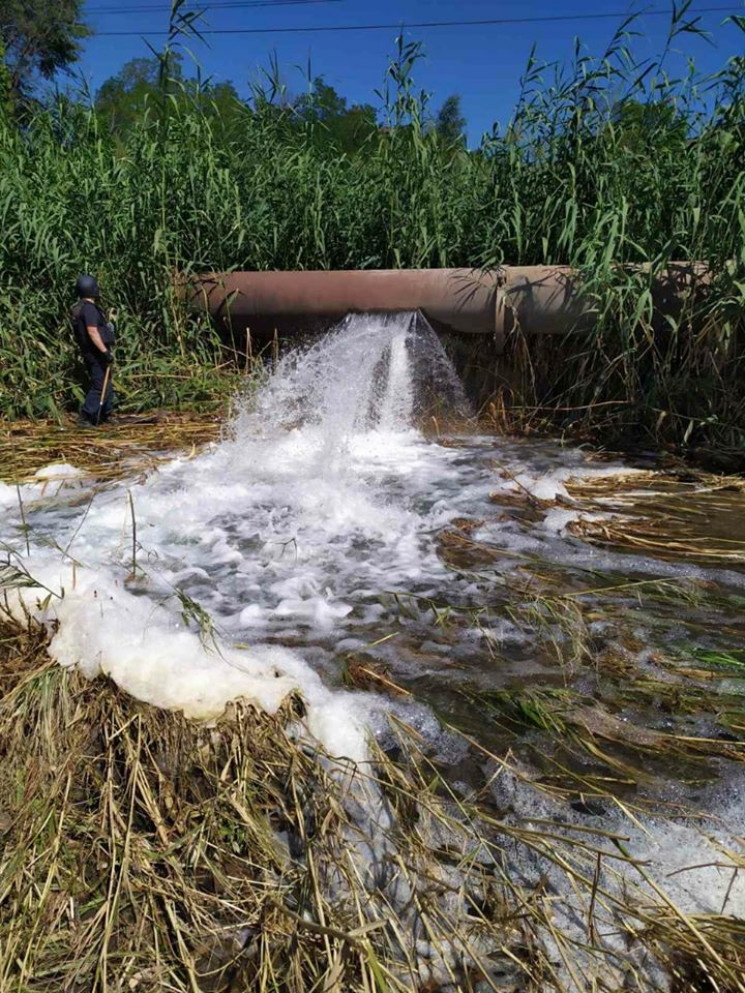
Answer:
(607, 160)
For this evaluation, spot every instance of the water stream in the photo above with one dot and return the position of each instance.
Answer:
(335, 538)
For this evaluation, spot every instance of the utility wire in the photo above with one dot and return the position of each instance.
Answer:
(199, 8)
(316, 29)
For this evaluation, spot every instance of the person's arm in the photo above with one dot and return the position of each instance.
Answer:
(95, 337)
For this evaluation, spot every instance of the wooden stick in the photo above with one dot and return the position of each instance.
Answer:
(106, 378)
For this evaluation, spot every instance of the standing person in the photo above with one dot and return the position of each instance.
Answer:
(95, 338)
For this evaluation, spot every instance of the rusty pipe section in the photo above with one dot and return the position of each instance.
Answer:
(463, 299)
(537, 299)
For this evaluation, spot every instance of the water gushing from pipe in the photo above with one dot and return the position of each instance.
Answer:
(324, 498)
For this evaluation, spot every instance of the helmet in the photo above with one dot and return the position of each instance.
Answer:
(86, 286)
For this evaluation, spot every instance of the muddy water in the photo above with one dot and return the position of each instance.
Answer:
(582, 616)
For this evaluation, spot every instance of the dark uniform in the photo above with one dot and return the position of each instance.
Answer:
(86, 314)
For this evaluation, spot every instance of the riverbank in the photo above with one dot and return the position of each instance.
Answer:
(128, 445)
(144, 437)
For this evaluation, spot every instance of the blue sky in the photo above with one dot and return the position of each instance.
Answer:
(481, 63)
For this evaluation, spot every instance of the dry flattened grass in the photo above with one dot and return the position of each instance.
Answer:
(108, 453)
(142, 851)
(700, 517)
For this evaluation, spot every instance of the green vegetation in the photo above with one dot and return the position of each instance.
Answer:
(608, 160)
(450, 122)
(38, 38)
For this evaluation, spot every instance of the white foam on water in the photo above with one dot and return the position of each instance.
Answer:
(549, 485)
(59, 470)
(689, 864)
(558, 519)
(322, 499)
(296, 520)
(145, 649)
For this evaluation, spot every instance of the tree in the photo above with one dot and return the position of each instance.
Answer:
(346, 127)
(40, 38)
(641, 126)
(123, 99)
(450, 124)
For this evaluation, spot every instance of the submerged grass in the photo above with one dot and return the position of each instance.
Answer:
(697, 518)
(619, 754)
(607, 684)
(144, 851)
(720, 661)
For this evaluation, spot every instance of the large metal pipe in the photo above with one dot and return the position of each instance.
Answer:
(460, 298)
(538, 299)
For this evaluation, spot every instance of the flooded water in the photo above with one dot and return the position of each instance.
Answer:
(337, 541)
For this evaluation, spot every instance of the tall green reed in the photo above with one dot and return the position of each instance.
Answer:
(614, 163)
(607, 161)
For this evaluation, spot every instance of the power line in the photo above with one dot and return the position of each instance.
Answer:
(199, 8)
(316, 29)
